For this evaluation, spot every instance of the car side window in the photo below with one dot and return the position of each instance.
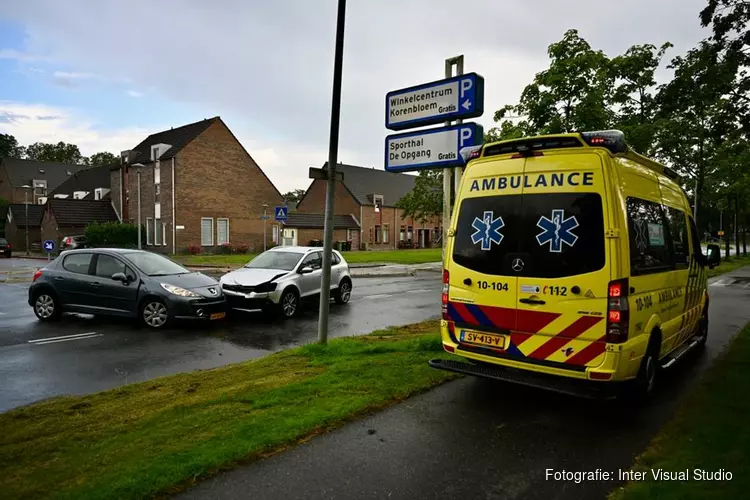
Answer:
(678, 232)
(313, 260)
(106, 266)
(649, 249)
(335, 259)
(77, 263)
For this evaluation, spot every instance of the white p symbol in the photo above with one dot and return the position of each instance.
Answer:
(466, 84)
(466, 134)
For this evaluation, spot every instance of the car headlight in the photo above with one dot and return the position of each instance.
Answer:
(176, 290)
(266, 287)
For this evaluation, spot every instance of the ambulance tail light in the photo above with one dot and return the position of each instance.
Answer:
(446, 289)
(618, 313)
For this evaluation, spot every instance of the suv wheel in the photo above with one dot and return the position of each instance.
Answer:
(154, 314)
(703, 329)
(343, 293)
(289, 303)
(46, 306)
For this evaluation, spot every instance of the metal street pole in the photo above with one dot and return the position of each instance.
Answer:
(138, 179)
(265, 218)
(26, 205)
(447, 172)
(333, 149)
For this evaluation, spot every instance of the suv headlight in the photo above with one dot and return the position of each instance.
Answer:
(176, 290)
(266, 287)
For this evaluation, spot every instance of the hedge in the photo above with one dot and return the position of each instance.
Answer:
(112, 234)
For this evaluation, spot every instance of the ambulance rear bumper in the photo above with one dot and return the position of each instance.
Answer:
(563, 385)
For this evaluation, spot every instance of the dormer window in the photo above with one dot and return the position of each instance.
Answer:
(378, 201)
(156, 153)
(41, 170)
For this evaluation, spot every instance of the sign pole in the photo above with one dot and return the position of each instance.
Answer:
(458, 171)
(333, 149)
(459, 61)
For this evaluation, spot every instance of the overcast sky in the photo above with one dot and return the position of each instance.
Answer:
(104, 74)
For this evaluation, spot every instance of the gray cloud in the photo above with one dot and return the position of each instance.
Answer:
(9, 117)
(266, 66)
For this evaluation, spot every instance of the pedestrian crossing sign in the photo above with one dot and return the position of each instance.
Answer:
(281, 213)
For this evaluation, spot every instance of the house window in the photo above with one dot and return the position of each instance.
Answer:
(378, 234)
(157, 173)
(386, 232)
(222, 231)
(155, 152)
(378, 200)
(207, 232)
(158, 236)
(402, 234)
(98, 194)
(40, 189)
(157, 191)
(149, 230)
(275, 233)
(409, 235)
(164, 233)
(157, 210)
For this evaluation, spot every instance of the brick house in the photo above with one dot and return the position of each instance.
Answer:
(370, 195)
(198, 187)
(68, 217)
(87, 184)
(303, 229)
(42, 177)
(16, 221)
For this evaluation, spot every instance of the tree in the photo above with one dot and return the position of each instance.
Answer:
(102, 158)
(60, 152)
(9, 147)
(425, 201)
(634, 95)
(295, 195)
(572, 94)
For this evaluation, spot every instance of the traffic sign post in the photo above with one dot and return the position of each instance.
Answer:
(433, 148)
(49, 247)
(281, 213)
(444, 100)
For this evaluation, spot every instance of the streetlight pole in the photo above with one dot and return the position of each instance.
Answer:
(265, 218)
(333, 150)
(26, 207)
(138, 180)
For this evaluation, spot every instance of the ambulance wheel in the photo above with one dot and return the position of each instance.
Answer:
(645, 382)
(703, 329)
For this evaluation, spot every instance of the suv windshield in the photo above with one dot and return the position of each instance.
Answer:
(284, 261)
(153, 264)
(555, 234)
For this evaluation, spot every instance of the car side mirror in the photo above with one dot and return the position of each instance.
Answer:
(306, 270)
(120, 277)
(714, 256)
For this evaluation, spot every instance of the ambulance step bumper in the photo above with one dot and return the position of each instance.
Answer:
(563, 385)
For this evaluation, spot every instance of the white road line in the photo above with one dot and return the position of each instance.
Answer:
(421, 290)
(68, 340)
(378, 296)
(719, 283)
(71, 337)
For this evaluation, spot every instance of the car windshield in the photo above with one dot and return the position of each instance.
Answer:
(3, 241)
(285, 261)
(153, 264)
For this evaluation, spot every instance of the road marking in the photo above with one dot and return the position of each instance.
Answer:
(68, 340)
(64, 338)
(419, 290)
(720, 283)
(377, 296)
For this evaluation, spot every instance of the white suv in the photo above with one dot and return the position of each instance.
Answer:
(283, 276)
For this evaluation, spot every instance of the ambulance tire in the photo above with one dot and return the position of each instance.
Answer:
(645, 381)
(703, 329)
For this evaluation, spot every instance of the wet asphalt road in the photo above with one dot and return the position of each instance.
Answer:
(101, 353)
(475, 438)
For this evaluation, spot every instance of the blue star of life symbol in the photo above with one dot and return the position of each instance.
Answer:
(557, 230)
(487, 230)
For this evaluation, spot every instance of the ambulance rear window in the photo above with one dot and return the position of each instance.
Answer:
(553, 234)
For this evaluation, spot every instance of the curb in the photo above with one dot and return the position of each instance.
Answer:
(384, 275)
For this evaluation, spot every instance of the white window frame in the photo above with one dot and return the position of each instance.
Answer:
(218, 238)
(164, 233)
(210, 233)
(386, 228)
(275, 237)
(149, 231)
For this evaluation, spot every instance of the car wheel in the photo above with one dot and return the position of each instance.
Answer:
(343, 293)
(703, 329)
(154, 314)
(46, 306)
(645, 381)
(289, 304)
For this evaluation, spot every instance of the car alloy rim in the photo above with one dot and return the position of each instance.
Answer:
(290, 304)
(45, 306)
(155, 314)
(346, 291)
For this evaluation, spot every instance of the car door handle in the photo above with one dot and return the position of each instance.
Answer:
(95, 283)
(532, 301)
(59, 278)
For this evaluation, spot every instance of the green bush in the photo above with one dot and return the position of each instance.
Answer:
(113, 234)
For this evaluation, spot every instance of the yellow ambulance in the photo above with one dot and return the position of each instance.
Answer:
(573, 264)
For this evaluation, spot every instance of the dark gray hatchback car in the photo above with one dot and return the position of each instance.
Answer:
(120, 282)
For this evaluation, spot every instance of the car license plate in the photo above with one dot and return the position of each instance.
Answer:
(219, 315)
(482, 338)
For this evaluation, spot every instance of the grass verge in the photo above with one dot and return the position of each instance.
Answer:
(729, 265)
(158, 436)
(709, 432)
(418, 256)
